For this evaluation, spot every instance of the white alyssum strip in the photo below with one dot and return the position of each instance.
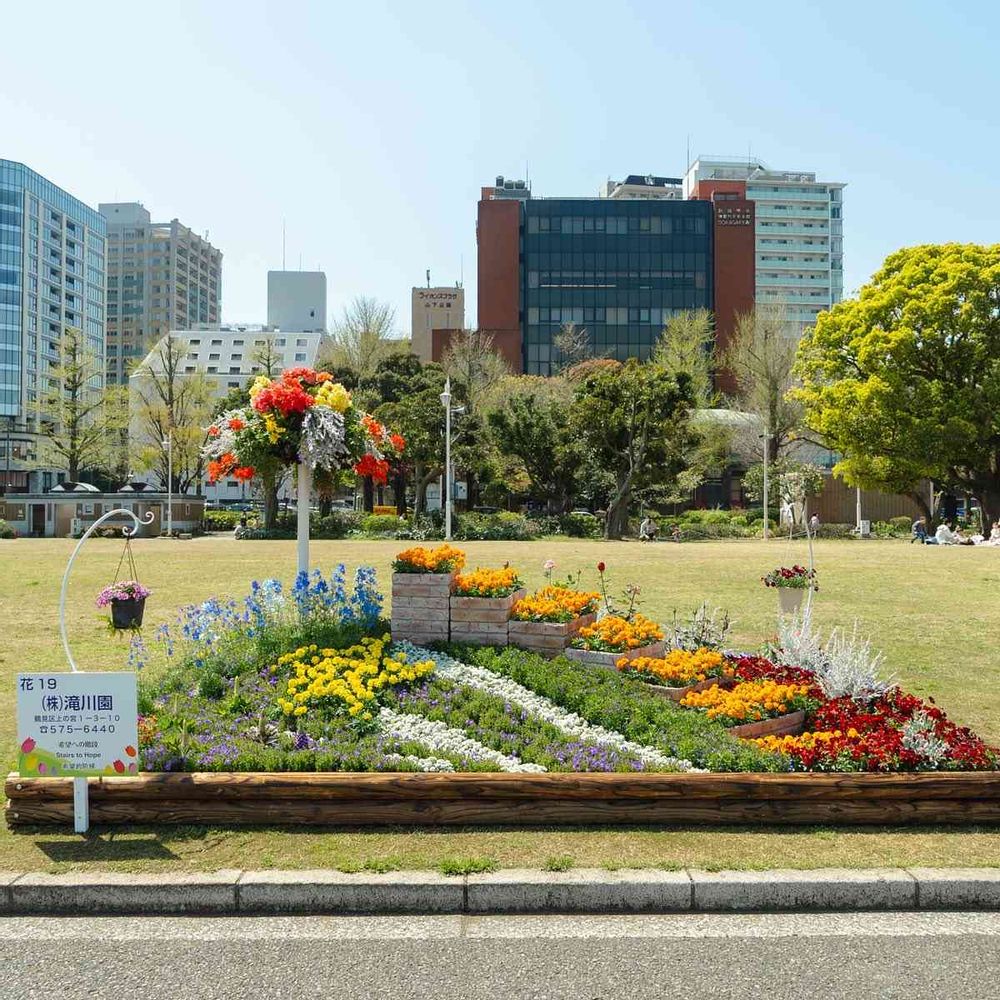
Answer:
(439, 736)
(424, 763)
(567, 722)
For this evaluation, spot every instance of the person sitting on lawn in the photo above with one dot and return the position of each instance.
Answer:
(994, 538)
(947, 535)
(919, 531)
(648, 530)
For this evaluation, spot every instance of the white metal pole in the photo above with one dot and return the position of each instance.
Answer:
(302, 516)
(767, 449)
(170, 484)
(858, 506)
(447, 463)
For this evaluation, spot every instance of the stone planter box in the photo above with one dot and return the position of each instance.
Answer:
(677, 693)
(547, 638)
(482, 621)
(421, 606)
(784, 725)
(597, 658)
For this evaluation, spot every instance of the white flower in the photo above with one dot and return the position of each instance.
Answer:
(567, 722)
(439, 736)
(424, 763)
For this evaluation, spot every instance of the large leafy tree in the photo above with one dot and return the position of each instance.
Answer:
(533, 427)
(363, 336)
(904, 380)
(633, 420)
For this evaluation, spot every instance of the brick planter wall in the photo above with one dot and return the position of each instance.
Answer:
(482, 621)
(547, 638)
(598, 658)
(421, 606)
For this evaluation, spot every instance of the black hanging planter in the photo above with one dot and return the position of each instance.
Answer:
(127, 614)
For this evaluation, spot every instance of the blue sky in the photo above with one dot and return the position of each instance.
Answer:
(369, 128)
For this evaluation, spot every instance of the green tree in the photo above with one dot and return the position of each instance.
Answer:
(904, 380)
(362, 337)
(166, 400)
(533, 426)
(76, 413)
(633, 419)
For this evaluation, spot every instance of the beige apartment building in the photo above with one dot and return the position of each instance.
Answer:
(435, 309)
(162, 276)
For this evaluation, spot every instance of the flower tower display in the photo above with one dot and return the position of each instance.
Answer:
(481, 602)
(422, 582)
(303, 418)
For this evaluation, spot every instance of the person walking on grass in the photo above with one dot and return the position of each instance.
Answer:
(919, 531)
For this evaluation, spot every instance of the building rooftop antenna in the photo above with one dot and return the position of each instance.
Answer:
(428, 277)
(461, 270)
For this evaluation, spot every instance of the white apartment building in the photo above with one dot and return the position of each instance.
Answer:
(231, 356)
(296, 300)
(799, 231)
(644, 187)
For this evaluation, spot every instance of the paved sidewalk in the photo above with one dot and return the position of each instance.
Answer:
(507, 891)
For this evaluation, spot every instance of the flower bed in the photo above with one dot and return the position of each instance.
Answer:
(547, 620)
(680, 672)
(613, 638)
(422, 582)
(481, 603)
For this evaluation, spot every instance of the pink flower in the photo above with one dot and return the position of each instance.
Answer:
(549, 565)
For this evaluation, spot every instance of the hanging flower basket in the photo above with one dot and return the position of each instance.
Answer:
(127, 600)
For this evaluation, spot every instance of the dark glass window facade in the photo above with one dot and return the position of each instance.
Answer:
(618, 269)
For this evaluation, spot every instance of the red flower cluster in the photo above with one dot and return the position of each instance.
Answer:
(304, 376)
(221, 467)
(376, 431)
(244, 473)
(398, 442)
(870, 736)
(377, 468)
(286, 396)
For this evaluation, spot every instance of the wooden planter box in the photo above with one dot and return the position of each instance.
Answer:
(297, 800)
(677, 693)
(421, 606)
(596, 658)
(784, 725)
(482, 621)
(547, 638)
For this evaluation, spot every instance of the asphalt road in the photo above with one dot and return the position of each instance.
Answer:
(780, 957)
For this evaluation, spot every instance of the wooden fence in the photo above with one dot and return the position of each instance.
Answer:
(348, 799)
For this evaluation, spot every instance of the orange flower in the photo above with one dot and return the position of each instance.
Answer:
(679, 667)
(555, 604)
(616, 635)
(488, 583)
(443, 559)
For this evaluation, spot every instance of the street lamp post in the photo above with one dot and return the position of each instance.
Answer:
(169, 445)
(767, 450)
(446, 403)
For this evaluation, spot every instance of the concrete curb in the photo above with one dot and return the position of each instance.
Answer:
(510, 891)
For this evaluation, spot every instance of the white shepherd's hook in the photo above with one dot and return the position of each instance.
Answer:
(127, 532)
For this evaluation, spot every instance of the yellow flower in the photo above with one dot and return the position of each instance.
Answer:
(260, 383)
(334, 396)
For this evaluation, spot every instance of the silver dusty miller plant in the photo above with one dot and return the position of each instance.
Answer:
(919, 737)
(704, 629)
(845, 665)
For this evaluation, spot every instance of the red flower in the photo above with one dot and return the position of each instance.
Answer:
(236, 424)
(244, 473)
(377, 468)
(130, 750)
(119, 766)
(375, 430)
(285, 397)
(600, 567)
(222, 467)
(28, 745)
(303, 375)
(213, 431)
(398, 442)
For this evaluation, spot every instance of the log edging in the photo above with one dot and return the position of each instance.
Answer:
(353, 799)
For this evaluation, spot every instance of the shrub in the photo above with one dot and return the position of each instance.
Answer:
(503, 527)
(221, 520)
(835, 531)
(381, 524)
(903, 523)
(336, 524)
(7, 530)
(580, 525)
(549, 524)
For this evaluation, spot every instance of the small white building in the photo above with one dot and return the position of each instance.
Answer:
(231, 356)
(296, 300)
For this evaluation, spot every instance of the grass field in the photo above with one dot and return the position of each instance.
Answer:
(932, 610)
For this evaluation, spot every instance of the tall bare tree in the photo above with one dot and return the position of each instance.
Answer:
(761, 357)
(74, 410)
(572, 345)
(362, 337)
(169, 402)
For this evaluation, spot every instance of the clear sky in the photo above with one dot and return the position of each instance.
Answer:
(369, 127)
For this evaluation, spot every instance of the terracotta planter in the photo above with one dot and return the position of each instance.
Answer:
(482, 621)
(676, 693)
(421, 605)
(598, 658)
(790, 599)
(547, 638)
(784, 725)
(128, 613)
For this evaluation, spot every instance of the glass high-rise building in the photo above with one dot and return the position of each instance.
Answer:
(617, 267)
(52, 276)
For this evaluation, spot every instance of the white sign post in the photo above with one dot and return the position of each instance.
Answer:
(76, 725)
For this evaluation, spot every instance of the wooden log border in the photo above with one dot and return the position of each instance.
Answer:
(381, 799)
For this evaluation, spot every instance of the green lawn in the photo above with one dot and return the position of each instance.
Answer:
(931, 609)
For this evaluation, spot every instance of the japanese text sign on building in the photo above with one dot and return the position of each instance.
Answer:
(77, 724)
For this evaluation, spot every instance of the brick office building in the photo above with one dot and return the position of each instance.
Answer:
(618, 266)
